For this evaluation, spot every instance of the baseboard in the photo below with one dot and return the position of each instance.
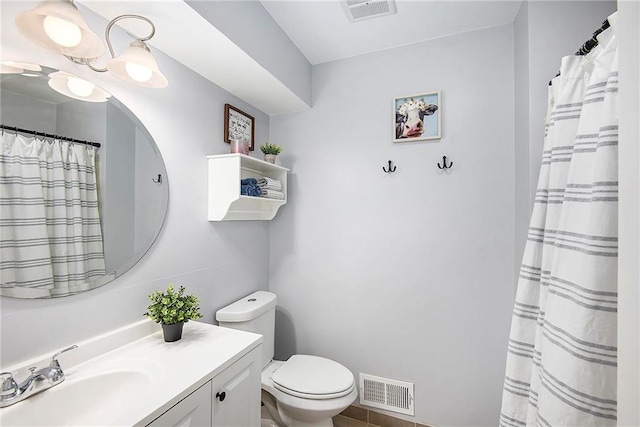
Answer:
(360, 416)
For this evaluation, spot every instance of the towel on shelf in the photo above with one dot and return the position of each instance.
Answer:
(249, 181)
(270, 183)
(249, 187)
(250, 190)
(271, 194)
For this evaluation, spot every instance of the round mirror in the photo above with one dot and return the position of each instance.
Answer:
(130, 178)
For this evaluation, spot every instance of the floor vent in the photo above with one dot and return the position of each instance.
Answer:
(385, 393)
(357, 10)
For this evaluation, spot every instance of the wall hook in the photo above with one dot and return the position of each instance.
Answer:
(391, 169)
(157, 181)
(444, 163)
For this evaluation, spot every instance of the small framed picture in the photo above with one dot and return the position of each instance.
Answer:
(416, 117)
(238, 125)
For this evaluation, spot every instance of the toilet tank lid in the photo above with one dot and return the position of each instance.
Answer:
(248, 308)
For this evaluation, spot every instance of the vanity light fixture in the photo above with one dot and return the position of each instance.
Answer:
(58, 26)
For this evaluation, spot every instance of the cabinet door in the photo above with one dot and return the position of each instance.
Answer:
(192, 411)
(236, 393)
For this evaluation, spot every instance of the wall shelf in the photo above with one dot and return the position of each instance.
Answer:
(225, 201)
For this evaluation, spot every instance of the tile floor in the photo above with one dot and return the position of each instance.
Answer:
(356, 416)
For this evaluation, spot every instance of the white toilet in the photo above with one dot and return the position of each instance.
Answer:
(304, 390)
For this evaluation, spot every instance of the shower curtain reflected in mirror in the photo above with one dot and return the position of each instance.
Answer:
(51, 239)
(562, 354)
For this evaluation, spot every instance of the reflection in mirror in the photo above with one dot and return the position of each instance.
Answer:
(129, 203)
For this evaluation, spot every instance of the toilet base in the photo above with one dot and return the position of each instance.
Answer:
(271, 413)
(265, 418)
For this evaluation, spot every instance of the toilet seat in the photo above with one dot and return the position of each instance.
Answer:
(313, 377)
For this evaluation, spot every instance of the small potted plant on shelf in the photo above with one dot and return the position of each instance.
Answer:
(270, 152)
(172, 309)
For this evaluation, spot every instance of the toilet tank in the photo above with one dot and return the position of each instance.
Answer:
(254, 313)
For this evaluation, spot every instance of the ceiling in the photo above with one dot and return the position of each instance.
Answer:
(321, 31)
(319, 28)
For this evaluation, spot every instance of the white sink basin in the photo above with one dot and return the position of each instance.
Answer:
(83, 399)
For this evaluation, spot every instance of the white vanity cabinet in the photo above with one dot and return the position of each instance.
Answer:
(230, 399)
(240, 383)
(192, 411)
(225, 201)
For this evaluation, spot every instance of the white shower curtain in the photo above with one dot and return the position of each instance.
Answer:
(561, 360)
(50, 233)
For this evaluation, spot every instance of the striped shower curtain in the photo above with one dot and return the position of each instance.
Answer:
(561, 360)
(50, 233)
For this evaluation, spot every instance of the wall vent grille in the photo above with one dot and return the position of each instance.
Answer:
(357, 10)
(388, 394)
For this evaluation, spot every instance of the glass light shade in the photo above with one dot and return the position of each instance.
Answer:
(80, 87)
(10, 67)
(42, 26)
(138, 72)
(74, 87)
(62, 32)
(135, 64)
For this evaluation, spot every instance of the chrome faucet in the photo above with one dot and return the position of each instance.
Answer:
(11, 392)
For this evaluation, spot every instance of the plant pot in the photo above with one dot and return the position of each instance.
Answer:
(271, 158)
(172, 332)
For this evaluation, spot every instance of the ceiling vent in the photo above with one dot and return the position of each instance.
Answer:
(357, 10)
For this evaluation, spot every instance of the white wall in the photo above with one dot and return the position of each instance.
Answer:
(219, 262)
(248, 25)
(522, 178)
(118, 164)
(408, 275)
(148, 192)
(43, 115)
(628, 35)
(92, 127)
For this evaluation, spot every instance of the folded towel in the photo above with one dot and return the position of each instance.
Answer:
(270, 183)
(250, 190)
(249, 181)
(272, 194)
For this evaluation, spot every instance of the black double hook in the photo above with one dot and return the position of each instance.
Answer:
(444, 163)
(390, 168)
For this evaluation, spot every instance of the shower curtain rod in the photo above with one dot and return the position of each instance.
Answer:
(591, 43)
(49, 135)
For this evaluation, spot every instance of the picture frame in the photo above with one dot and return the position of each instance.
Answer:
(239, 125)
(417, 117)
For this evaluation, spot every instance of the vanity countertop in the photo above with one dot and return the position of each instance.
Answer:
(130, 376)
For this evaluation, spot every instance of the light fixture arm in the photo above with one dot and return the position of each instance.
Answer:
(59, 26)
(107, 31)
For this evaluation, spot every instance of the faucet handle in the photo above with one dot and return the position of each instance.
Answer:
(9, 387)
(53, 358)
(54, 361)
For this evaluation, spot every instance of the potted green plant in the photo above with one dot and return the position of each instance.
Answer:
(172, 309)
(270, 152)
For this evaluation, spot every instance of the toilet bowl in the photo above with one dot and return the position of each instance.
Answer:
(303, 391)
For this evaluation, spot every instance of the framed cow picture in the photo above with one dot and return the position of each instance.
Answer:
(238, 125)
(416, 117)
